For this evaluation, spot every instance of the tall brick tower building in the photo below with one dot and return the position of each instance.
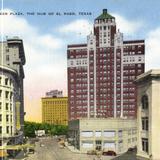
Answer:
(101, 72)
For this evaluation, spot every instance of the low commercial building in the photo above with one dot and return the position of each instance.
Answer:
(149, 115)
(55, 110)
(114, 134)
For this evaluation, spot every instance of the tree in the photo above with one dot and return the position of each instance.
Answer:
(51, 129)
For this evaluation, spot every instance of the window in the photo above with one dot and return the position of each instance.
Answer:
(0, 93)
(98, 142)
(145, 144)
(87, 144)
(11, 118)
(11, 94)
(0, 129)
(7, 57)
(145, 123)
(7, 118)
(98, 134)
(139, 58)
(6, 81)
(7, 106)
(0, 118)
(109, 133)
(87, 133)
(120, 133)
(7, 94)
(109, 145)
(7, 129)
(11, 129)
(144, 101)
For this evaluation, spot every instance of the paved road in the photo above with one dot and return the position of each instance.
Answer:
(127, 156)
(51, 151)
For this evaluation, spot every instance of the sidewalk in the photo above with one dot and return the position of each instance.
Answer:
(72, 148)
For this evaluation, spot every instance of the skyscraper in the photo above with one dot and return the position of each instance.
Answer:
(101, 72)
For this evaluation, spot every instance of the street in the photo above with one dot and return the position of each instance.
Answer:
(50, 150)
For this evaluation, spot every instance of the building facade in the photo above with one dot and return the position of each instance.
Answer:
(101, 72)
(12, 59)
(115, 134)
(148, 117)
(55, 110)
(54, 93)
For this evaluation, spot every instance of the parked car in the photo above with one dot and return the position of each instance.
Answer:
(31, 150)
(134, 149)
(91, 152)
(109, 153)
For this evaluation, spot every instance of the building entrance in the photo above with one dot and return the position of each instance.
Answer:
(98, 145)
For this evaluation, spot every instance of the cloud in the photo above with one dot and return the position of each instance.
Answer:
(153, 49)
(128, 27)
(41, 50)
(80, 27)
(18, 26)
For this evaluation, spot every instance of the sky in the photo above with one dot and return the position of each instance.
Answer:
(46, 37)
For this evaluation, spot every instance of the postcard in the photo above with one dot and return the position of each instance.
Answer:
(76, 79)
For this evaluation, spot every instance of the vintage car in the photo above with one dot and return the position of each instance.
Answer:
(109, 153)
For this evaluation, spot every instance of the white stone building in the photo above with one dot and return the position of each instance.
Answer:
(12, 59)
(149, 115)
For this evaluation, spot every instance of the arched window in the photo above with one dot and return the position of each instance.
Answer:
(144, 101)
